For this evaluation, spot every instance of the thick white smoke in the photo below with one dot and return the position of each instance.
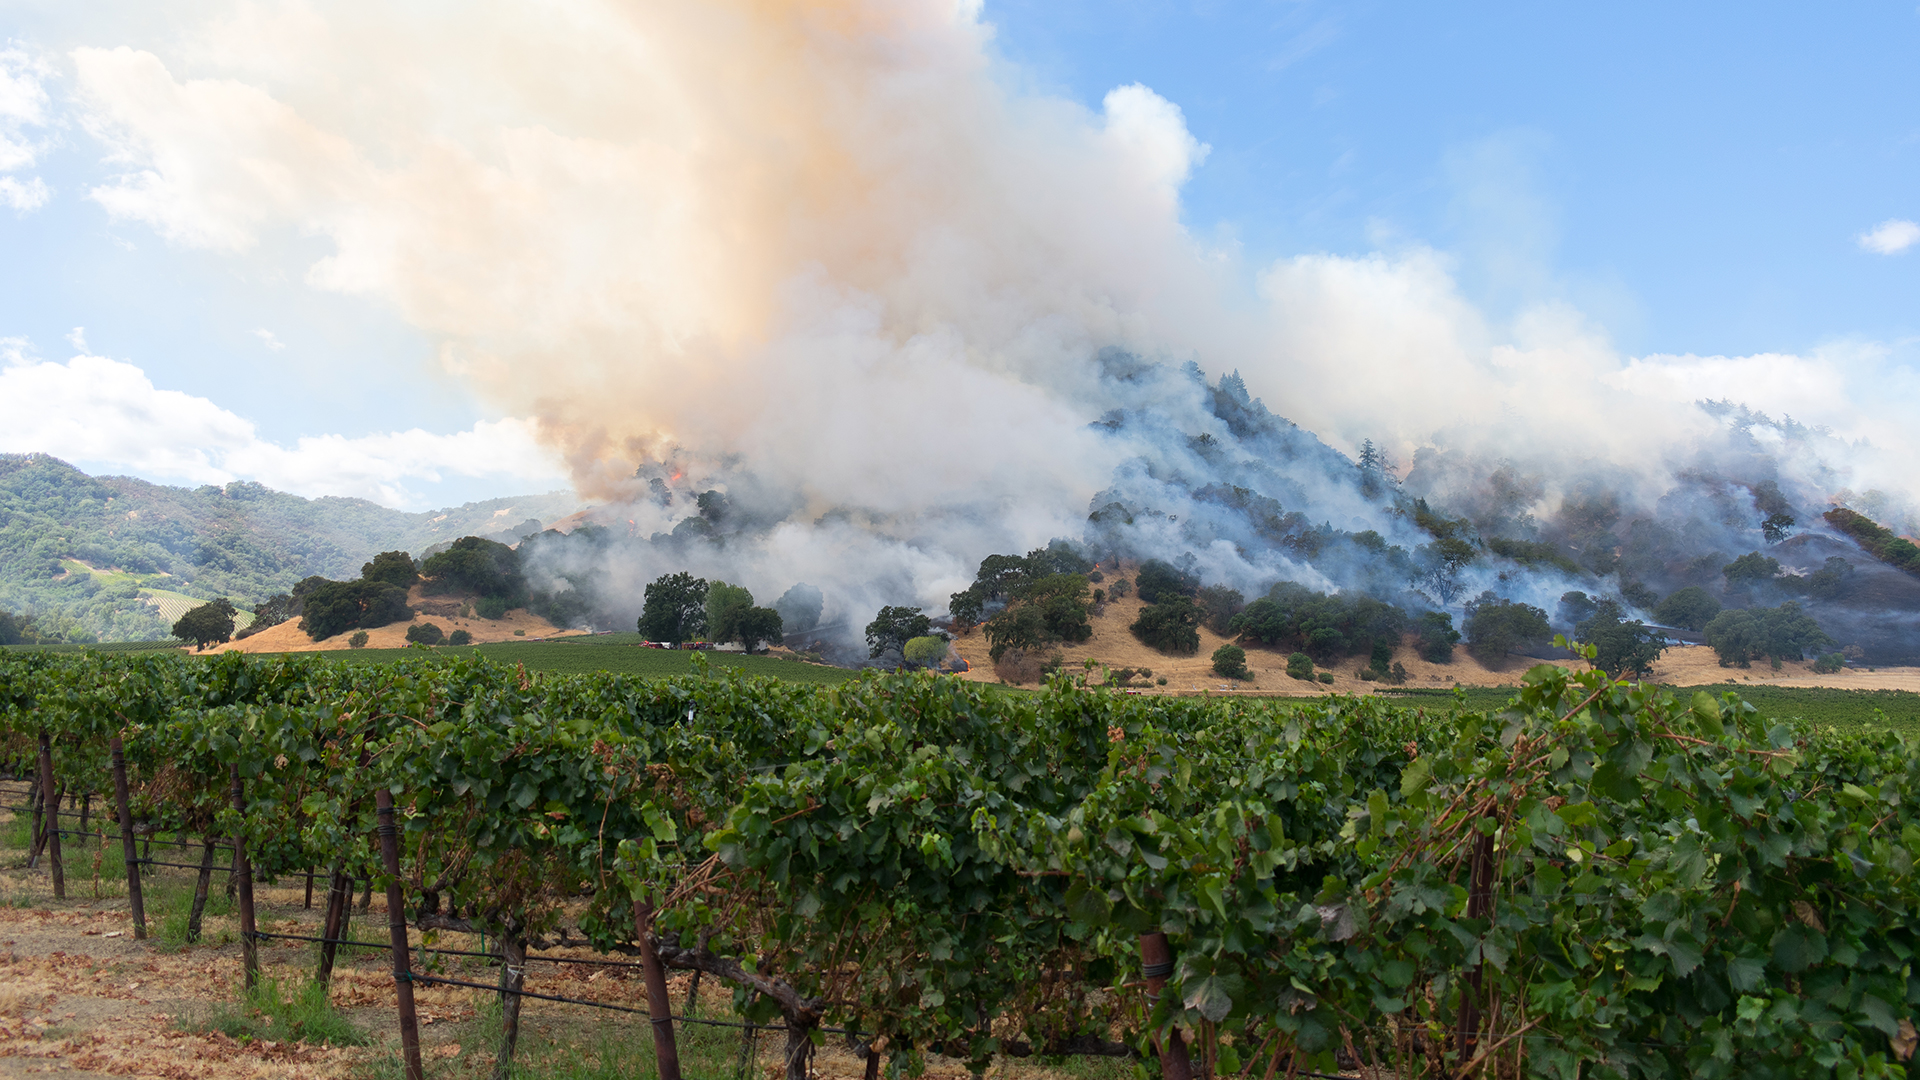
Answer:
(824, 245)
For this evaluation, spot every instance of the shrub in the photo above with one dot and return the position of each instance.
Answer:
(334, 607)
(1496, 627)
(1741, 636)
(757, 626)
(1691, 608)
(893, 627)
(1435, 637)
(425, 633)
(1121, 587)
(460, 637)
(724, 605)
(1159, 580)
(1752, 568)
(209, 624)
(1294, 616)
(1230, 661)
(925, 652)
(1170, 626)
(1830, 663)
(1161, 681)
(675, 608)
(1221, 604)
(393, 567)
(358, 640)
(483, 566)
(1300, 666)
(491, 608)
(1325, 676)
(1622, 648)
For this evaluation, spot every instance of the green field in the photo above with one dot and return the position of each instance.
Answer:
(1899, 709)
(620, 654)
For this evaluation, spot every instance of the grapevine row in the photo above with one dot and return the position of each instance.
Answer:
(1602, 880)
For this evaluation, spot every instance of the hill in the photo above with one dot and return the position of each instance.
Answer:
(105, 557)
(1114, 646)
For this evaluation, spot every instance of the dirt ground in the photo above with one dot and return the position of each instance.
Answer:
(80, 997)
(1114, 646)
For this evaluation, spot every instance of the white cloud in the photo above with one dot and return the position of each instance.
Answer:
(26, 197)
(103, 412)
(268, 338)
(1891, 237)
(1154, 130)
(23, 105)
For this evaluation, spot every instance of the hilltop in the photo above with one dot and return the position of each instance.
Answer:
(117, 558)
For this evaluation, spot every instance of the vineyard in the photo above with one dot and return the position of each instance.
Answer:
(1593, 880)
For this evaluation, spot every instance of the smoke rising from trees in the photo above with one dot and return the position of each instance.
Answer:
(821, 261)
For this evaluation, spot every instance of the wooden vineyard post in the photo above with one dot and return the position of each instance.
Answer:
(39, 835)
(243, 873)
(339, 890)
(51, 799)
(129, 852)
(307, 904)
(1479, 906)
(513, 976)
(666, 1052)
(397, 934)
(1156, 963)
(200, 886)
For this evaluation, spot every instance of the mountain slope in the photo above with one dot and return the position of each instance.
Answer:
(79, 551)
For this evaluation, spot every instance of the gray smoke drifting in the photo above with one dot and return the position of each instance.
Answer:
(820, 260)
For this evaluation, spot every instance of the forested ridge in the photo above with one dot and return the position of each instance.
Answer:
(77, 551)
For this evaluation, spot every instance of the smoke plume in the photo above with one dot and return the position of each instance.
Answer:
(820, 258)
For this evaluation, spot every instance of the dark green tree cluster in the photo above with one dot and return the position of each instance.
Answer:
(1002, 577)
(394, 568)
(893, 627)
(1743, 635)
(1691, 608)
(1434, 637)
(425, 633)
(24, 630)
(1159, 580)
(732, 616)
(1230, 662)
(209, 624)
(1624, 648)
(487, 568)
(1221, 604)
(1881, 543)
(675, 609)
(1171, 626)
(1452, 551)
(1293, 616)
(1042, 611)
(1495, 626)
(334, 607)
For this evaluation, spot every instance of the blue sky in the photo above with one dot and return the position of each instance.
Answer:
(1693, 178)
(1696, 175)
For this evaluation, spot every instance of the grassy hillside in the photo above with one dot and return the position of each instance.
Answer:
(109, 557)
